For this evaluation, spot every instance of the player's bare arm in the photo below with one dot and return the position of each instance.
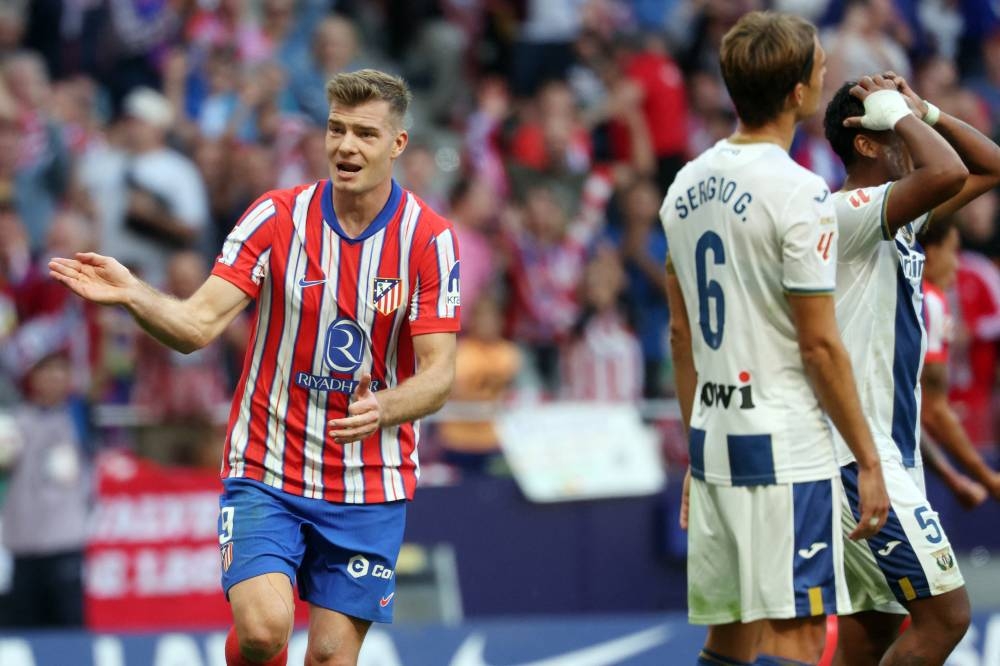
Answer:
(829, 370)
(979, 153)
(184, 325)
(422, 394)
(943, 424)
(685, 375)
(969, 493)
(938, 173)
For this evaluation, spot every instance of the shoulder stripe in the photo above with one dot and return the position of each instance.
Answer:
(244, 229)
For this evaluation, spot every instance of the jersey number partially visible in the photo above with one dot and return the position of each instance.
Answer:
(709, 291)
(930, 526)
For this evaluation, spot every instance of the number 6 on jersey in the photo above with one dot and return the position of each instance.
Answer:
(710, 290)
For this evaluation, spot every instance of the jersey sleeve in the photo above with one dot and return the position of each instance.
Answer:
(435, 305)
(244, 260)
(809, 242)
(861, 220)
(935, 319)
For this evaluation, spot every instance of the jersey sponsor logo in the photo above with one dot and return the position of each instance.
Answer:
(310, 283)
(345, 346)
(383, 572)
(385, 601)
(722, 395)
(336, 384)
(824, 245)
(357, 566)
(387, 294)
(945, 560)
(889, 547)
(906, 231)
(227, 555)
(859, 199)
(454, 296)
(912, 265)
(810, 552)
(821, 198)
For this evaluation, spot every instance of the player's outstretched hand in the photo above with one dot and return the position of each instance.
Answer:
(994, 486)
(969, 493)
(916, 102)
(685, 499)
(363, 415)
(873, 503)
(884, 104)
(94, 277)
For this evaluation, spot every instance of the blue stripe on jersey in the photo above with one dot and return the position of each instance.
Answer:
(696, 452)
(751, 460)
(905, 365)
(896, 561)
(812, 561)
(378, 224)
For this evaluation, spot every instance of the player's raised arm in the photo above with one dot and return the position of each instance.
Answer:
(184, 325)
(938, 173)
(979, 153)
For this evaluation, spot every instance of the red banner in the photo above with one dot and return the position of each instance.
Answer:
(153, 561)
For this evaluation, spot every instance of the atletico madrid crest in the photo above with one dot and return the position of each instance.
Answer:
(387, 294)
(227, 556)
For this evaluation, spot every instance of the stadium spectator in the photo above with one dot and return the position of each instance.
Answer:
(335, 49)
(150, 198)
(486, 367)
(46, 507)
(601, 361)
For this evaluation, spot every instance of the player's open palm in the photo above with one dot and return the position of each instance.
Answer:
(363, 415)
(94, 277)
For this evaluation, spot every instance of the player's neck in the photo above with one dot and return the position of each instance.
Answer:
(356, 211)
(859, 176)
(779, 131)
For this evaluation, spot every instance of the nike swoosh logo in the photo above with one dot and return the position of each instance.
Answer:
(310, 283)
(812, 550)
(384, 601)
(889, 547)
(608, 653)
(821, 199)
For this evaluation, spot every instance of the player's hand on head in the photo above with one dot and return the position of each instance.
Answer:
(916, 102)
(94, 277)
(363, 415)
(873, 503)
(884, 104)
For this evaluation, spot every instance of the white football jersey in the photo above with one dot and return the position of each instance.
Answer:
(745, 226)
(880, 314)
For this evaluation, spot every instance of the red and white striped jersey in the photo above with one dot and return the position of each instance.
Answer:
(329, 309)
(937, 321)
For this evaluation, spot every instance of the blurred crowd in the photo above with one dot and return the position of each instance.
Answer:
(547, 130)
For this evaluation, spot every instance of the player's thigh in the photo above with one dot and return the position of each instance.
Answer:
(261, 543)
(334, 638)
(263, 609)
(350, 560)
(769, 551)
(912, 552)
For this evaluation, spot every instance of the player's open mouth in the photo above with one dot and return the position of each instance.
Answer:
(344, 167)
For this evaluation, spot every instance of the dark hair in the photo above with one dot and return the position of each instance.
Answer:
(843, 105)
(763, 57)
(935, 231)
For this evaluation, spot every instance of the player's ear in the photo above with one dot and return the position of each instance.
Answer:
(399, 144)
(798, 95)
(865, 146)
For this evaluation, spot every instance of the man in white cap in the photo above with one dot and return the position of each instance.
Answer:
(150, 198)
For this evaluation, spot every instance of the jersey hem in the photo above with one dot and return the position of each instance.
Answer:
(252, 479)
(808, 292)
(784, 479)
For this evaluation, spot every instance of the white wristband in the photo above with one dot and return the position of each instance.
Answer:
(933, 114)
(883, 109)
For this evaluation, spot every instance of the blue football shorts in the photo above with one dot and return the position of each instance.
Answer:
(341, 556)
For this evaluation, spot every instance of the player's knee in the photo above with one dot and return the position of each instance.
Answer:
(263, 637)
(956, 621)
(330, 651)
(949, 619)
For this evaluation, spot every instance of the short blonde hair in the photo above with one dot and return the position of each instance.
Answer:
(763, 57)
(369, 85)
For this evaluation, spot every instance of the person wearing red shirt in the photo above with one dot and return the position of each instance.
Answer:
(357, 289)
